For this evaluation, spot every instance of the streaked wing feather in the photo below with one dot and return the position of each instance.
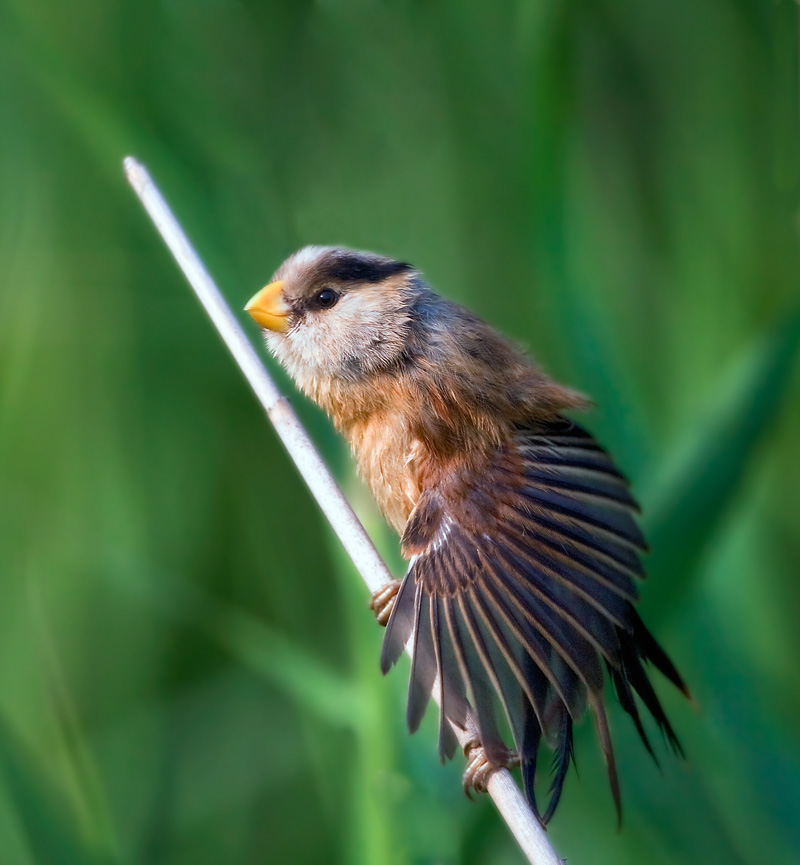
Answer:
(480, 682)
(604, 548)
(400, 624)
(423, 661)
(561, 759)
(650, 650)
(607, 750)
(535, 586)
(626, 699)
(585, 484)
(508, 628)
(445, 731)
(573, 558)
(529, 741)
(596, 515)
(530, 614)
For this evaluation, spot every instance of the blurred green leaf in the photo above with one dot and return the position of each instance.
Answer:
(700, 483)
(79, 768)
(45, 817)
(308, 680)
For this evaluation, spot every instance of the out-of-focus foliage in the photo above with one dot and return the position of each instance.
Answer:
(189, 671)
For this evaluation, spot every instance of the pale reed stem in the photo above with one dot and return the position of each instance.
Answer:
(505, 793)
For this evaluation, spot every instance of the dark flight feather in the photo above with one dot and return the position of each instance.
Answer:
(520, 598)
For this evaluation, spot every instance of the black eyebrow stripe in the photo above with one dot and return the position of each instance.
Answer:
(359, 268)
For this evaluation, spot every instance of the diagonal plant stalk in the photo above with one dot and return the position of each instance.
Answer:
(501, 786)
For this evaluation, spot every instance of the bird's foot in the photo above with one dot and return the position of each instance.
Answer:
(382, 601)
(476, 775)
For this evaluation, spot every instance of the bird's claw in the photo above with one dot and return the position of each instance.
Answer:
(382, 602)
(479, 769)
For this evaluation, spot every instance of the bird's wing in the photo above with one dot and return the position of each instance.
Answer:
(520, 591)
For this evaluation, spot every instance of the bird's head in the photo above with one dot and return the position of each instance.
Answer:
(333, 314)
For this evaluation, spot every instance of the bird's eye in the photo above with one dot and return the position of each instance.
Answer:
(326, 298)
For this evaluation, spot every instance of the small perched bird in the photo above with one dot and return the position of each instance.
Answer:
(520, 532)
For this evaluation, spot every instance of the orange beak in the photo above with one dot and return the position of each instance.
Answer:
(268, 307)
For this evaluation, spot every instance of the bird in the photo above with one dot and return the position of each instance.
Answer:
(521, 535)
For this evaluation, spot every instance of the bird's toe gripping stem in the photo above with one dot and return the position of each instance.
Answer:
(479, 768)
(382, 602)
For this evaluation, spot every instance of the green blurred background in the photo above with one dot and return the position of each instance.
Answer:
(189, 670)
